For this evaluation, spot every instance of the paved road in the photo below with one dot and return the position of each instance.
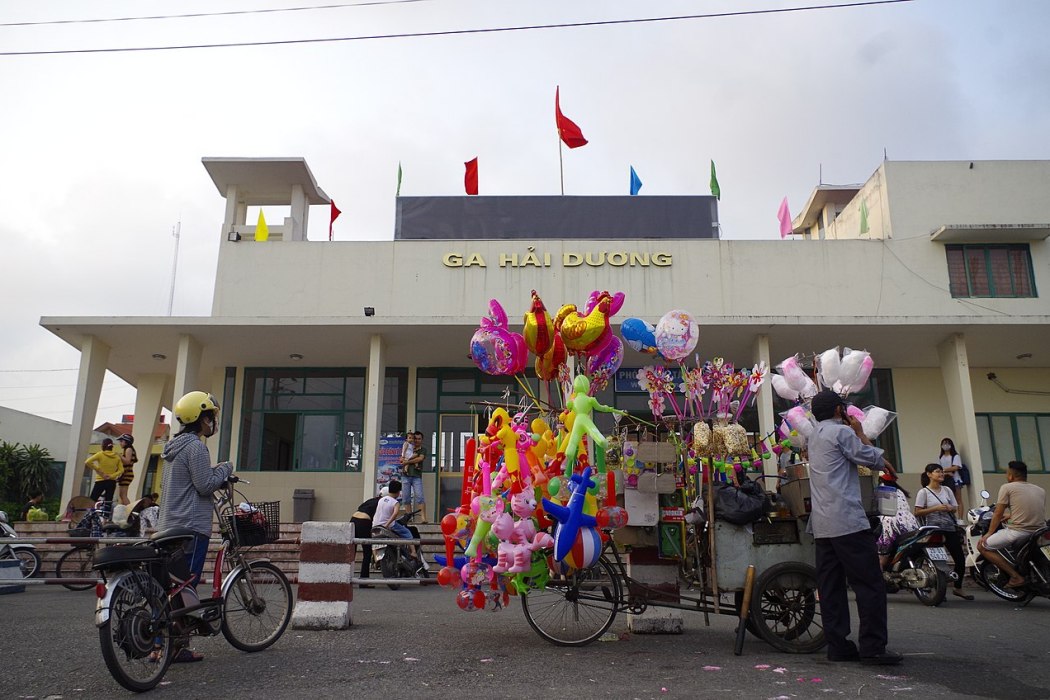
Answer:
(416, 643)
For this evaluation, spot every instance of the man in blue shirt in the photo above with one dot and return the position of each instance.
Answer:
(845, 544)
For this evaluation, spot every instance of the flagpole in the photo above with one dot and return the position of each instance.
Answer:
(176, 231)
(561, 167)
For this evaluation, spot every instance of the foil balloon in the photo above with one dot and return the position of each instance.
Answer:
(603, 362)
(677, 334)
(586, 332)
(547, 365)
(494, 348)
(639, 335)
(539, 327)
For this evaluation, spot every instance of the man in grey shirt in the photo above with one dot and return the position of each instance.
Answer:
(846, 546)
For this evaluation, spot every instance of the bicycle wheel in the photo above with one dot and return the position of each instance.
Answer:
(136, 639)
(76, 563)
(28, 561)
(784, 608)
(257, 606)
(575, 610)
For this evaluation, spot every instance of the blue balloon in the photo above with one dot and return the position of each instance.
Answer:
(639, 335)
(570, 517)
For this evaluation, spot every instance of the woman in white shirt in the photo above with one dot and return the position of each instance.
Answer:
(951, 463)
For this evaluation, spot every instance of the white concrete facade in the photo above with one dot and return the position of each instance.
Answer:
(754, 300)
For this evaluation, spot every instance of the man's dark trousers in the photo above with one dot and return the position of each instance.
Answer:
(851, 559)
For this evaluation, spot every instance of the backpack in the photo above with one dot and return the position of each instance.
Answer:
(964, 475)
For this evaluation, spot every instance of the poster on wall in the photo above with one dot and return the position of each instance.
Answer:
(388, 459)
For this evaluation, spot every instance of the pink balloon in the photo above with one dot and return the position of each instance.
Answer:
(677, 334)
(603, 363)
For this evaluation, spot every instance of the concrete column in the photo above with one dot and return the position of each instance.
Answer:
(187, 368)
(764, 403)
(149, 397)
(299, 212)
(231, 218)
(955, 369)
(374, 381)
(94, 354)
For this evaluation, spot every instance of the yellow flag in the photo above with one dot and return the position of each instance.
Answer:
(262, 233)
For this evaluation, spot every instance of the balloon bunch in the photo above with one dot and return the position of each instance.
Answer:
(495, 349)
(517, 482)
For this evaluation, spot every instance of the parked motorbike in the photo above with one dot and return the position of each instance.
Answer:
(26, 554)
(919, 563)
(397, 560)
(1031, 558)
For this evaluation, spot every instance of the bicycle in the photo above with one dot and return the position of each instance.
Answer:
(76, 563)
(577, 608)
(142, 613)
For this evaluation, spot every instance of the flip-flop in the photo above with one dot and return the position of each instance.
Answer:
(964, 596)
(1011, 584)
(187, 657)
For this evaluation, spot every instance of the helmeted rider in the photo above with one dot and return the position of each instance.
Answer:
(190, 479)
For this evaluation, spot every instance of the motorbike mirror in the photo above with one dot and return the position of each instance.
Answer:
(985, 494)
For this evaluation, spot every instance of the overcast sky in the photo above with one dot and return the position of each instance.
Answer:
(101, 152)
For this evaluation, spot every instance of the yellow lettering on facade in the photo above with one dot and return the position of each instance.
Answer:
(640, 259)
(475, 260)
(596, 259)
(505, 260)
(546, 259)
(571, 259)
(530, 259)
(617, 259)
(662, 259)
(452, 260)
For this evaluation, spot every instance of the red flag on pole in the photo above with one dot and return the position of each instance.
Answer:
(470, 179)
(335, 215)
(567, 129)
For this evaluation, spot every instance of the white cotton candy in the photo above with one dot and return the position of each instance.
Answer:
(850, 368)
(800, 420)
(809, 389)
(780, 386)
(861, 381)
(876, 420)
(828, 361)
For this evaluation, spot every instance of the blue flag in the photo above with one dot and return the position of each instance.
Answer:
(636, 184)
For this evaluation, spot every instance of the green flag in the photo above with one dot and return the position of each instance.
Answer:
(398, 193)
(863, 217)
(716, 191)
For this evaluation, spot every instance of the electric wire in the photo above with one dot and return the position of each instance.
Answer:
(458, 32)
(194, 15)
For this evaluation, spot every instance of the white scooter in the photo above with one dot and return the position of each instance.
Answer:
(26, 554)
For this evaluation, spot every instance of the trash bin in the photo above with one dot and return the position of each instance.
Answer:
(302, 505)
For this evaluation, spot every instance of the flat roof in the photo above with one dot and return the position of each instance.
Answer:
(264, 180)
(821, 196)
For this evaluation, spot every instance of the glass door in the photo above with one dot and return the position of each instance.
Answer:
(454, 429)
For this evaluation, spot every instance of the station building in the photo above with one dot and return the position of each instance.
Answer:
(316, 350)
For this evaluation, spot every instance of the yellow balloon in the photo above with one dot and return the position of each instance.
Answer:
(539, 327)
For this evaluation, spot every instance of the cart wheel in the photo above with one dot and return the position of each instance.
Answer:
(784, 608)
(576, 609)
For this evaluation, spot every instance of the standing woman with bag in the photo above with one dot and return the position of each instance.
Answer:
(951, 463)
(935, 504)
(128, 457)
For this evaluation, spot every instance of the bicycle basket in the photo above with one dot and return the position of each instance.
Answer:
(259, 525)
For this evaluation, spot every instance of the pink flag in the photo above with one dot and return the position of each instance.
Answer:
(785, 219)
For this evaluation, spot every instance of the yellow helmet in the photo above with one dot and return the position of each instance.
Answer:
(189, 408)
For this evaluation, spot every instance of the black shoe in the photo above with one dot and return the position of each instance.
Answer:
(844, 657)
(365, 585)
(886, 658)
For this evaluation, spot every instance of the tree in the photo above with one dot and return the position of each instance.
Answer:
(34, 470)
(9, 457)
